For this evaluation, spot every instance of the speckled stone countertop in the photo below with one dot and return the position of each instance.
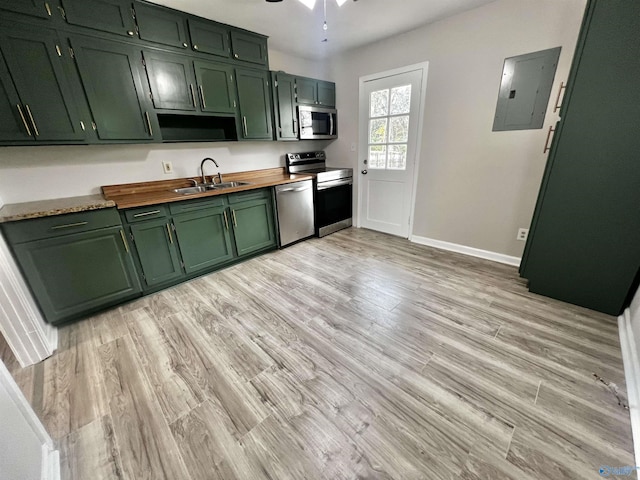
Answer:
(47, 208)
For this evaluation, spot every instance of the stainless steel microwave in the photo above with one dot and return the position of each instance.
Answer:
(317, 123)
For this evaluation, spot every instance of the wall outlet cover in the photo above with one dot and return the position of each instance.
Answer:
(523, 233)
(167, 167)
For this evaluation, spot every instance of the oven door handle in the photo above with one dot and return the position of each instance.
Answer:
(334, 183)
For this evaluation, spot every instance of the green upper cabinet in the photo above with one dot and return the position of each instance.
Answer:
(215, 87)
(255, 104)
(315, 92)
(114, 16)
(249, 48)
(156, 251)
(112, 76)
(13, 123)
(71, 275)
(284, 97)
(204, 238)
(47, 108)
(161, 25)
(34, 8)
(171, 80)
(253, 226)
(209, 37)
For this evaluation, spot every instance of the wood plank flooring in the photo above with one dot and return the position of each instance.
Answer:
(359, 355)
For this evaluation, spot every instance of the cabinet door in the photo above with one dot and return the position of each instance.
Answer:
(253, 226)
(284, 96)
(35, 8)
(160, 25)
(157, 252)
(255, 104)
(112, 79)
(203, 238)
(326, 94)
(35, 62)
(209, 37)
(215, 87)
(114, 16)
(75, 274)
(171, 81)
(307, 90)
(249, 48)
(13, 123)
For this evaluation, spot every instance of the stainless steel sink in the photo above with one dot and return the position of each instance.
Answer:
(205, 187)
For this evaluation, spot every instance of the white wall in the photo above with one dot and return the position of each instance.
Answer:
(38, 173)
(475, 187)
(634, 310)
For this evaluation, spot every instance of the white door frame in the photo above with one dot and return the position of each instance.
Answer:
(362, 135)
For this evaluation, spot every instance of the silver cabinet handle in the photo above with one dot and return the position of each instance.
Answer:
(169, 232)
(24, 121)
(69, 225)
(195, 47)
(204, 102)
(130, 33)
(193, 95)
(185, 44)
(233, 216)
(235, 55)
(226, 221)
(146, 114)
(35, 127)
(558, 105)
(144, 214)
(244, 125)
(124, 240)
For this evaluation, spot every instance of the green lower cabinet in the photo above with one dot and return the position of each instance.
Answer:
(253, 226)
(204, 238)
(157, 252)
(72, 275)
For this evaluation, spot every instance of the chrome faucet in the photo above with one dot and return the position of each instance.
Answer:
(204, 179)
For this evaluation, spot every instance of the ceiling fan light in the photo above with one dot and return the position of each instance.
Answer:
(308, 3)
(340, 2)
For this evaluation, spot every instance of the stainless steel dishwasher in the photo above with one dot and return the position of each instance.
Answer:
(295, 211)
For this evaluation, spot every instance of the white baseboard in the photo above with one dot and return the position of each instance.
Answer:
(474, 252)
(631, 362)
(50, 463)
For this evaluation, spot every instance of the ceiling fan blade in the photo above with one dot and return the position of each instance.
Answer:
(308, 3)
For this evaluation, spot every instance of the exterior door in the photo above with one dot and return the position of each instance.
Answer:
(389, 112)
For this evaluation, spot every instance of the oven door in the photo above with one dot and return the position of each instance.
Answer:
(334, 203)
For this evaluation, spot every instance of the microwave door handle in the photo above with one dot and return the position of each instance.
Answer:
(331, 124)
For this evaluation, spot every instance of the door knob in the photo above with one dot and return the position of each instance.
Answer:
(364, 172)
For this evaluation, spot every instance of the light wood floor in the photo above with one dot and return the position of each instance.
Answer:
(358, 355)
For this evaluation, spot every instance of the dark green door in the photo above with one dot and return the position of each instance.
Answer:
(75, 274)
(36, 64)
(209, 37)
(203, 238)
(114, 16)
(112, 76)
(249, 48)
(160, 25)
(326, 94)
(36, 8)
(285, 98)
(255, 104)
(215, 87)
(171, 80)
(13, 123)
(155, 245)
(253, 226)
(307, 89)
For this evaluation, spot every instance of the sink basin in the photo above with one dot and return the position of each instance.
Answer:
(205, 187)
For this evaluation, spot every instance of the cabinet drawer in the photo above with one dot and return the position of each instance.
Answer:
(145, 213)
(190, 206)
(249, 195)
(58, 225)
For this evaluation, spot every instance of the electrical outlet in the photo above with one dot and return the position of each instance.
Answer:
(523, 233)
(167, 167)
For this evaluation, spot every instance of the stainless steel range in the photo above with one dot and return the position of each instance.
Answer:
(333, 190)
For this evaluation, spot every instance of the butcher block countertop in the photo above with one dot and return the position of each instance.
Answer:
(47, 208)
(142, 194)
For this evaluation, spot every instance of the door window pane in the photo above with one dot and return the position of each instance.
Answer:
(400, 100)
(399, 129)
(378, 130)
(377, 156)
(379, 103)
(397, 157)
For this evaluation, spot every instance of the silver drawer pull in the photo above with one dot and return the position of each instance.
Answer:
(69, 225)
(153, 212)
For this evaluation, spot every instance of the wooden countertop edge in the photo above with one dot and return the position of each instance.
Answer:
(153, 193)
(49, 208)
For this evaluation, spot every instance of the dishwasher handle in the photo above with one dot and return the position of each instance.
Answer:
(300, 189)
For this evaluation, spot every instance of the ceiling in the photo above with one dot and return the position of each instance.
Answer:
(294, 29)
